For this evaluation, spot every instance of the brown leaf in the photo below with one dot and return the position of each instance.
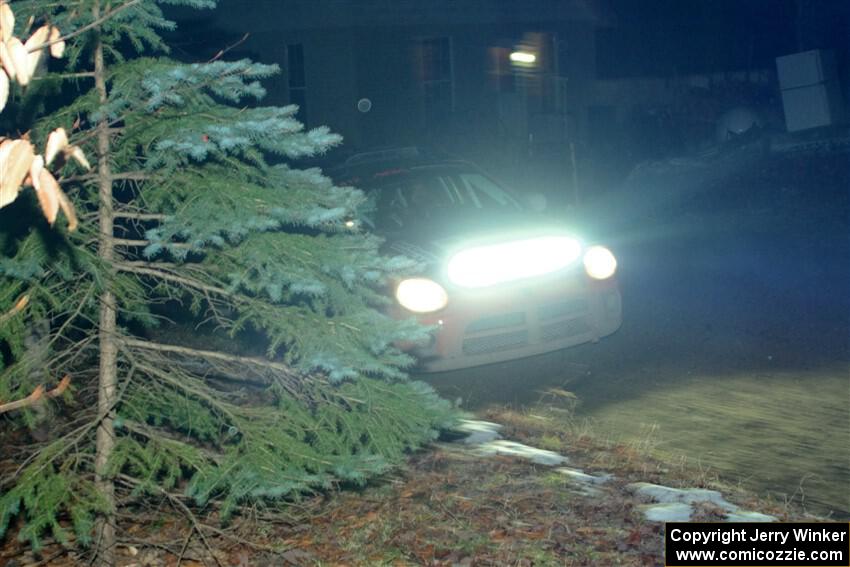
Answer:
(77, 154)
(46, 189)
(20, 60)
(7, 21)
(57, 49)
(39, 37)
(4, 89)
(68, 208)
(57, 141)
(16, 157)
(6, 61)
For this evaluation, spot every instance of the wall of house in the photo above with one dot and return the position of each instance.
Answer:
(367, 49)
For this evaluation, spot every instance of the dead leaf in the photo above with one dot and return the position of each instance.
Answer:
(6, 61)
(68, 208)
(16, 157)
(57, 141)
(79, 156)
(39, 37)
(46, 189)
(4, 89)
(7, 21)
(57, 49)
(20, 60)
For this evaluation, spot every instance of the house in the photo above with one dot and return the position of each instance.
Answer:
(439, 72)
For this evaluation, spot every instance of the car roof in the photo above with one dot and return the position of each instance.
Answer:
(384, 163)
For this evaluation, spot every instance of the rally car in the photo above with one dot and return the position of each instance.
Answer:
(501, 281)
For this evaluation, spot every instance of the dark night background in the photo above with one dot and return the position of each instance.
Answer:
(733, 241)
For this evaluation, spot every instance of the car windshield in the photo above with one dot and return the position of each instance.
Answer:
(401, 198)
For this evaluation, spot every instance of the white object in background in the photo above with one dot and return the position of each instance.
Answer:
(812, 107)
(811, 95)
(805, 68)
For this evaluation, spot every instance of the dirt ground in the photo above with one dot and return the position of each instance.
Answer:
(448, 507)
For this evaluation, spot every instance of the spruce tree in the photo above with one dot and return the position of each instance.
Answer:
(285, 377)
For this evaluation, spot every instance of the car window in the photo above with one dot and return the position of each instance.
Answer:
(485, 193)
(421, 196)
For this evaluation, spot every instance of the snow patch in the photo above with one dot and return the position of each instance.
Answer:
(669, 512)
(514, 449)
(478, 432)
(581, 476)
(666, 495)
(674, 504)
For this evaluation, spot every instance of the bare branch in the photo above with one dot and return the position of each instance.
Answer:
(18, 307)
(278, 367)
(140, 243)
(36, 396)
(221, 52)
(141, 216)
(147, 270)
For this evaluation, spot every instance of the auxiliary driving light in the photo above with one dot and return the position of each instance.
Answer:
(599, 263)
(421, 295)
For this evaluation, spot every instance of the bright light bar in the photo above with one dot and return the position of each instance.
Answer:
(484, 266)
(523, 57)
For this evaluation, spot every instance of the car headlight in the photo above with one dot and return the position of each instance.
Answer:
(483, 266)
(599, 262)
(421, 295)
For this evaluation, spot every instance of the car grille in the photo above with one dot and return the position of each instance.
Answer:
(562, 309)
(492, 343)
(505, 331)
(496, 322)
(564, 329)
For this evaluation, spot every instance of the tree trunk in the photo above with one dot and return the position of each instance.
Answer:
(108, 372)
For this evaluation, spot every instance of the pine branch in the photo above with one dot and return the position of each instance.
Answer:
(144, 270)
(141, 216)
(126, 176)
(90, 26)
(283, 369)
(141, 243)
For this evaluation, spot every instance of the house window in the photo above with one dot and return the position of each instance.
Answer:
(435, 77)
(296, 81)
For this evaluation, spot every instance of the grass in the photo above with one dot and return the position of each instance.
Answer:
(449, 507)
(782, 434)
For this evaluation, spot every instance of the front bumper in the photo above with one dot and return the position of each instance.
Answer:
(520, 320)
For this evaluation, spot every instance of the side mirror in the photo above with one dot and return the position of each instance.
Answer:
(537, 202)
